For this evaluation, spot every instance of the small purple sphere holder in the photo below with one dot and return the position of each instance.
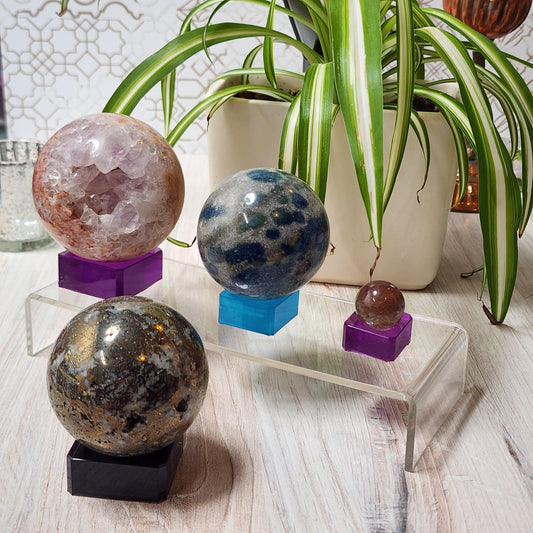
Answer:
(108, 279)
(385, 344)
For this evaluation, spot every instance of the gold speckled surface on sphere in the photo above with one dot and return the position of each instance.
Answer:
(127, 376)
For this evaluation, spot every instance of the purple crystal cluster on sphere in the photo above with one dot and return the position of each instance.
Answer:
(108, 187)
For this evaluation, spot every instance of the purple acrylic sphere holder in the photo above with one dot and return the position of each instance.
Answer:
(422, 387)
(384, 344)
(108, 279)
(262, 316)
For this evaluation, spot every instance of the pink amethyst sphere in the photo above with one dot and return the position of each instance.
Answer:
(108, 187)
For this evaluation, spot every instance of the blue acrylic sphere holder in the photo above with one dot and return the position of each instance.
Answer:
(427, 379)
(262, 316)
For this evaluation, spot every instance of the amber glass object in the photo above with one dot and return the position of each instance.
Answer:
(493, 18)
(469, 202)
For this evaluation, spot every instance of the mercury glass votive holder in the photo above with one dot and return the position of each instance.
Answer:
(20, 226)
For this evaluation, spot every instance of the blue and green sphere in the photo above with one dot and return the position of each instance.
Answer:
(263, 233)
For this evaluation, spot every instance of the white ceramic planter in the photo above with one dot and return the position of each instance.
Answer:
(246, 133)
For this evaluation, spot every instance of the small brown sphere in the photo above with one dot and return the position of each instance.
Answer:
(380, 304)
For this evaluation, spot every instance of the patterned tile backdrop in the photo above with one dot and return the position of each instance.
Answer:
(58, 68)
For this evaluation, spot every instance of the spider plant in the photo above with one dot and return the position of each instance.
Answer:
(373, 55)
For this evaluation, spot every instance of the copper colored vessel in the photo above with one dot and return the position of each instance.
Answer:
(493, 18)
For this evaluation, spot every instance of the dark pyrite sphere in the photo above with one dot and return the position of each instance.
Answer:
(263, 233)
(127, 376)
(380, 304)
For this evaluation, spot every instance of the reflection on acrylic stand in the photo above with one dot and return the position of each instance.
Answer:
(428, 377)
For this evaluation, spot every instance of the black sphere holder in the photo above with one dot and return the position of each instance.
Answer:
(146, 478)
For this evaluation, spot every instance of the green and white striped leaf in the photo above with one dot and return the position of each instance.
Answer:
(420, 17)
(462, 154)
(320, 26)
(406, 76)
(454, 108)
(268, 48)
(314, 130)
(249, 61)
(520, 134)
(356, 39)
(288, 151)
(154, 68)
(499, 201)
(168, 91)
(516, 86)
(209, 4)
(496, 87)
(457, 119)
(516, 59)
(388, 27)
(244, 74)
(384, 7)
(64, 7)
(421, 132)
(214, 99)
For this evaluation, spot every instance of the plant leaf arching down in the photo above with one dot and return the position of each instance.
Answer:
(374, 53)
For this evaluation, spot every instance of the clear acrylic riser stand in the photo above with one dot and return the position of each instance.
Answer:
(429, 375)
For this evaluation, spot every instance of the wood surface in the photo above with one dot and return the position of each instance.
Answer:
(278, 452)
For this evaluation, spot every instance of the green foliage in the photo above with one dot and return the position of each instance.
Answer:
(374, 53)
